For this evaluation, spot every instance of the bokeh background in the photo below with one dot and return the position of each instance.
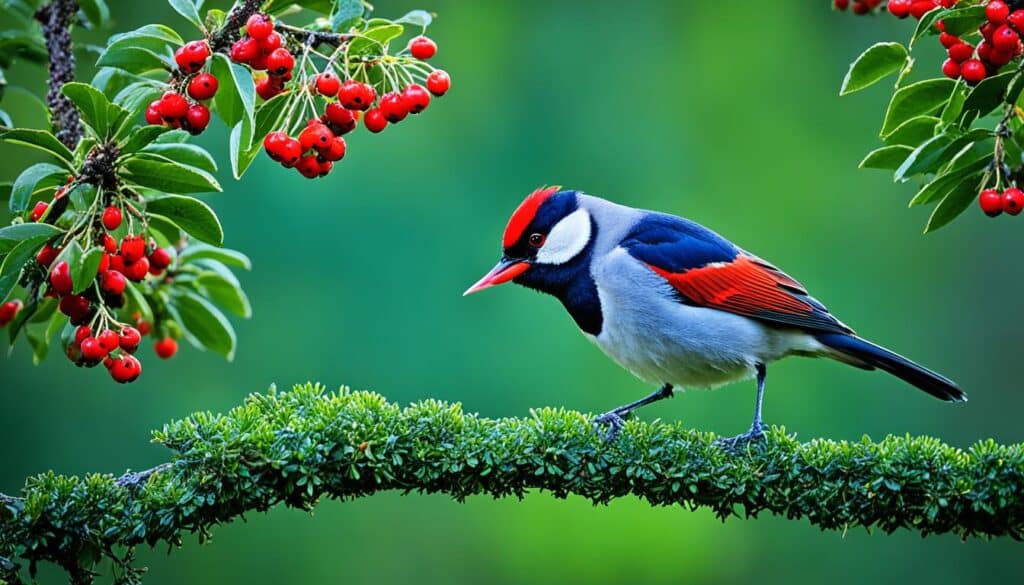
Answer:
(725, 112)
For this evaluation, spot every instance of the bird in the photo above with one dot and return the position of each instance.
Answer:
(675, 303)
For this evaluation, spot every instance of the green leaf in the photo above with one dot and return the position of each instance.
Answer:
(917, 99)
(876, 63)
(375, 40)
(236, 96)
(25, 184)
(345, 14)
(88, 266)
(96, 11)
(136, 301)
(191, 215)
(24, 231)
(197, 251)
(141, 50)
(225, 292)
(914, 131)
(10, 269)
(951, 112)
(987, 95)
(887, 157)
(140, 138)
(136, 97)
(188, 9)
(205, 323)
(164, 231)
(420, 18)
(268, 118)
(953, 204)
(941, 185)
(924, 159)
(168, 177)
(186, 154)
(963, 20)
(96, 110)
(925, 26)
(40, 140)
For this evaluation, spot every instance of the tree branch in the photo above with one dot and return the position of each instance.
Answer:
(227, 34)
(296, 447)
(56, 18)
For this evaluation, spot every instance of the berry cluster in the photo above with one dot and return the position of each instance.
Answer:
(1000, 44)
(993, 203)
(313, 147)
(9, 310)
(174, 109)
(130, 259)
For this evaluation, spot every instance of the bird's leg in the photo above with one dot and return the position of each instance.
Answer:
(617, 417)
(756, 432)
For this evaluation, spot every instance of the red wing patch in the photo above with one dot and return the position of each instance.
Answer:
(745, 286)
(523, 216)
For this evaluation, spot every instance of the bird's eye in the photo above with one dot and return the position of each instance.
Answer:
(536, 240)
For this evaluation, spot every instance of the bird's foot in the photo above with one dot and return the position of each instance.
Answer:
(614, 420)
(754, 435)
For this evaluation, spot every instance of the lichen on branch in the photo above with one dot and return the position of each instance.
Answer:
(300, 446)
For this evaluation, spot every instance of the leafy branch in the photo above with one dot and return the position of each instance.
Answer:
(297, 447)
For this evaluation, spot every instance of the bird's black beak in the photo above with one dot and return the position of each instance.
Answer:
(506, 270)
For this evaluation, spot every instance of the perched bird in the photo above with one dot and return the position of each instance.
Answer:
(675, 303)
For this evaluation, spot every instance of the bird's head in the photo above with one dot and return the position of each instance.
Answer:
(545, 245)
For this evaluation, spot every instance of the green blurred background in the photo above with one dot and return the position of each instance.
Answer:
(726, 113)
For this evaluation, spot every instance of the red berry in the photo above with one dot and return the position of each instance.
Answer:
(60, 278)
(166, 347)
(316, 135)
(172, 106)
(108, 339)
(273, 142)
(416, 98)
(112, 282)
(111, 218)
(841, 4)
(860, 7)
(997, 59)
(899, 8)
(375, 121)
(308, 166)
(160, 259)
(973, 71)
(1013, 201)
(125, 368)
(202, 86)
(338, 119)
(39, 210)
(104, 264)
(129, 339)
(280, 61)
(987, 29)
(137, 270)
(77, 307)
(991, 202)
(109, 244)
(335, 151)
(951, 69)
(422, 47)
(245, 50)
(961, 52)
(132, 248)
(92, 350)
(268, 88)
(290, 152)
(47, 254)
(81, 333)
(996, 11)
(1016, 20)
(921, 7)
(356, 96)
(1005, 39)
(192, 56)
(393, 107)
(198, 118)
(271, 43)
(438, 82)
(947, 40)
(9, 310)
(153, 114)
(328, 84)
(259, 26)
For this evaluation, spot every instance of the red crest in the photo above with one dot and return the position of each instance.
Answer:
(523, 216)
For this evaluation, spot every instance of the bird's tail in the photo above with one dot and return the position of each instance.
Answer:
(864, 354)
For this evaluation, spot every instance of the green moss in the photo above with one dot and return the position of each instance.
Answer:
(296, 447)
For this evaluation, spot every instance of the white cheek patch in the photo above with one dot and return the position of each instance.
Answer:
(567, 239)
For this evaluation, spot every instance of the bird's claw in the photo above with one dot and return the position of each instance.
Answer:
(614, 420)
(754, 435)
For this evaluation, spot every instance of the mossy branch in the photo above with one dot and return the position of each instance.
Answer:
(297, 447)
